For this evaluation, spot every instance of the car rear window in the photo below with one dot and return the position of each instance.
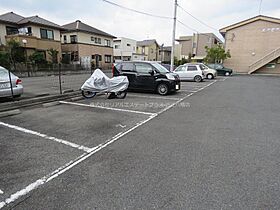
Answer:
(192, 68)
(3, 71)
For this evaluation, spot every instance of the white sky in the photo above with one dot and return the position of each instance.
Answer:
(123, 23)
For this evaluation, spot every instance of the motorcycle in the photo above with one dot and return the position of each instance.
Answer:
(98, 82)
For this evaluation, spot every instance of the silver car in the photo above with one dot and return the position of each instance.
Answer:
(5, 87)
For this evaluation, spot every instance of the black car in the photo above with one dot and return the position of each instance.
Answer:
(147, 76)
(221, 70)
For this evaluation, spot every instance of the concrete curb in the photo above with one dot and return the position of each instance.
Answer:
(36, 101)
(10, 113)
(55, 103)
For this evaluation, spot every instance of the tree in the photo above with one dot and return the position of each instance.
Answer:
(216, 54)
(53, 53)
(37, 58)
(4, 59)
(15, 52)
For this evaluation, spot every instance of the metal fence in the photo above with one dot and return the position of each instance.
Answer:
(42, 80)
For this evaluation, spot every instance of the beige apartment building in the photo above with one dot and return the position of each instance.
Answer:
(254, 45)
(194, 46)
(149, 49)
(87, 45)
(34, 33)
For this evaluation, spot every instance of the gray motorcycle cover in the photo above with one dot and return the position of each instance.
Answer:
(99, 82)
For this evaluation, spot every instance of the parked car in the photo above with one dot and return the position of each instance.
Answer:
(209, 73)
(222, 71)
(5, 87)
(168, 66)
(191, 72)
(147, 76)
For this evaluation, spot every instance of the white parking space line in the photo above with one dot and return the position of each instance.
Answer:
(109, 108)
(1, 192)
(85, 156)
(24, 130)
(154, 97)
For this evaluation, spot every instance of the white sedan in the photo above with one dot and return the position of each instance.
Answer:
(5, 85)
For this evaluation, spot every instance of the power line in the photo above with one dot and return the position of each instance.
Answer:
(197, 19)
(139, 12)
(192, 29)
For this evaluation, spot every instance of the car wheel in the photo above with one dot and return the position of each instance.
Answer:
(227, 74)
(210, 76)
(162, 89)
(197, 78)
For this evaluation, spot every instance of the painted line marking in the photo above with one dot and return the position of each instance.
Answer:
(120, 125)
(154, 97)
(109, 108)
(84, 156)
(24, 130)
(1, 192)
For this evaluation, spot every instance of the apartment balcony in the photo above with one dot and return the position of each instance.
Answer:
(33, 42)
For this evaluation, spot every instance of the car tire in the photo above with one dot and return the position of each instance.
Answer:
(197, 78)
(162, 89)
(227, 74)
(210, 76)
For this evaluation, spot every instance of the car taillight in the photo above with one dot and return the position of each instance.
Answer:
(18, 81)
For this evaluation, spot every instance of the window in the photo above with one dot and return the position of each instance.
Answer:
(11, 30)
(117, 46)
(180, 69)
(143, 68)
(202, 67)
(96, 40)
(128, 45)
(46, 34)
(192, 68)
(152, 50)
(108, 58)
(107, 43)
(73, 39)
(99, 57)
(127, 67)
(74, 56)
(143, 50)
(65, 39)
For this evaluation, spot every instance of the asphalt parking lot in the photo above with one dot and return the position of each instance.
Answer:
(62, 157)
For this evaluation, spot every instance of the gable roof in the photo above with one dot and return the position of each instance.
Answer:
(11, 17)
(16, 19)
(250, 20)
(38, 20)
(147, 42)
(80, 26)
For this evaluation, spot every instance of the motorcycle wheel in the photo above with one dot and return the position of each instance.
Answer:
(121, 94)
(88, 94)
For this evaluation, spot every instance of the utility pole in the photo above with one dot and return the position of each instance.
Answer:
(173, 36)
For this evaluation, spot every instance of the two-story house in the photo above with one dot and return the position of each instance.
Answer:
(87, 45)
(165, 54)
(33, 33)
(124, 49)
(254, 45)
(194, 46)
(148, 48)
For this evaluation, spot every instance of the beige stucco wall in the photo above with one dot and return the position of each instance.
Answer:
(249, 43)
(38, 44)
(2, 34)
(152, 52)
(85, 50)
(265, 70)
(85, 38)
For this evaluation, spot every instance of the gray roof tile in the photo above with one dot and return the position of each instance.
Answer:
(147, 42)
(11, 17)
(38, 20)
(80, 26)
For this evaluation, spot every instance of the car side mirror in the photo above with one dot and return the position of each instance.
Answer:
(151, 72)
